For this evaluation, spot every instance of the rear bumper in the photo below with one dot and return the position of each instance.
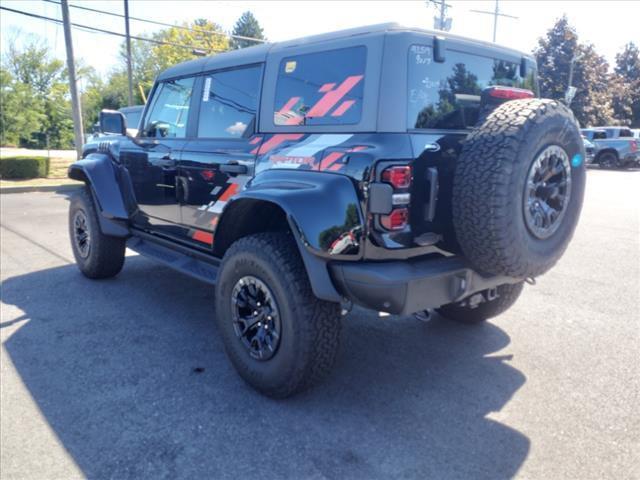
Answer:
(403, 287)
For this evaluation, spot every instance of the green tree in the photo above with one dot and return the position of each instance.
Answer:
(246, 26)
(37, 74)
(555, 52)
(21, 113)
(626, 85)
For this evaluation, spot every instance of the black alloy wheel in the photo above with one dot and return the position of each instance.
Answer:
(256, 317)
(82, 233)
(548, 190)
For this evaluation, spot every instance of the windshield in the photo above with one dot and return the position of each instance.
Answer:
(447, 95)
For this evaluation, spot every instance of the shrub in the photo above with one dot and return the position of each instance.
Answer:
(24, 167)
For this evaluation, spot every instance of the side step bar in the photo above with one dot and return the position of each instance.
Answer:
(193, 263)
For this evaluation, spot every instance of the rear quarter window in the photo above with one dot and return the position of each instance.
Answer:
(447, 95)
(323, 88)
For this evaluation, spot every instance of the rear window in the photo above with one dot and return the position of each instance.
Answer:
(447, 95)
(324, 88)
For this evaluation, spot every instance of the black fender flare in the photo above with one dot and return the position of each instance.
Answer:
(105, 180)
(320, 208)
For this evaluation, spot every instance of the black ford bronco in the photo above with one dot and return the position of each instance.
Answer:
(397, 169)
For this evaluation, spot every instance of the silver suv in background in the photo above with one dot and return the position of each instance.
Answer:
(616, 147)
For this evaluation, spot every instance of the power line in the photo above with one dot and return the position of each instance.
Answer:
(196, 30)
(107, 32)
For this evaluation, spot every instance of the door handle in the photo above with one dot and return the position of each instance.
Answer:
(234, 168)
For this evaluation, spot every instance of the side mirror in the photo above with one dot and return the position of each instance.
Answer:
(112, 122)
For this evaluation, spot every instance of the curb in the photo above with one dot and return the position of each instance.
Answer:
(40, 188)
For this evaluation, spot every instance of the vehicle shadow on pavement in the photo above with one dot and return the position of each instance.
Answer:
(131, 375)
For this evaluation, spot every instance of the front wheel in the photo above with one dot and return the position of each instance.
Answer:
(280, 338)
(483, 305)
(97, 255)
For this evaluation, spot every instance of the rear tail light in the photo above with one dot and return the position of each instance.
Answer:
(398, 176)
(509, 93)
(396, 220)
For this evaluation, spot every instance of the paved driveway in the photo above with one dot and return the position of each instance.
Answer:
(99, 377)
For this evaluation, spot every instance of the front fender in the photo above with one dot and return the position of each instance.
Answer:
(106, 181)
(324, 209)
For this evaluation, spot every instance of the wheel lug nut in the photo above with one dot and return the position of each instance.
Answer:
(258, 303)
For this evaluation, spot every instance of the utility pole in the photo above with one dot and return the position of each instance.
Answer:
(441, 22)
(496, 13)
(73, 84)
(128, 41)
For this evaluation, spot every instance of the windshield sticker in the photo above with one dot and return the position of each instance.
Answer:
(206, 90)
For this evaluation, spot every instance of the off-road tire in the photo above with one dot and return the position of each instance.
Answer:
(105, 256)
(489, 187)
(310, 328)
(609, 160)
(461, 311)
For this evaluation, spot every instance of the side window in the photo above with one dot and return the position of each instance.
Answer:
(229, 103)
(324, 88)
(447, 95)
(168, 115)
(624, 132)
(599, 135)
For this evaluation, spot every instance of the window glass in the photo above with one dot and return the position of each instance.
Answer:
(324, 88)
(625, 133)
(229, 103)
(447, 95)
(133, 118)
(600, 135)
(170, 111)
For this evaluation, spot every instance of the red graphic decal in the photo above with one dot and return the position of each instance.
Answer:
(255, 140)
(332, 97)
(326, 87)
(344, 106)
(276, 140)
(207, 175)
(214, 221)
(229, 192)
(289, 105)
(204, 237)
(330, 160)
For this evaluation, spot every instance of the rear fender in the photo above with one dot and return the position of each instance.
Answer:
(106, 181)
(323, 211)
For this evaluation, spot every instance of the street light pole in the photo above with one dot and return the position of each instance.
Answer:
(128, 42)
(73, 84)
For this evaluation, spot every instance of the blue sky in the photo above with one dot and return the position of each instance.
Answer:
(607, 24)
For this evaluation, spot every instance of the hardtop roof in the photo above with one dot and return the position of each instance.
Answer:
(258, 53)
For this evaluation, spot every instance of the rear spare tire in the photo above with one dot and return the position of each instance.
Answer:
(518, 188)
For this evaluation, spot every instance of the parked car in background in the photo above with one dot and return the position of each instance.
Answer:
(616, 147)
(132, 114)
(590, 149)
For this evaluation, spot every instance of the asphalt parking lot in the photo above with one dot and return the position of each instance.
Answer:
(100, 379)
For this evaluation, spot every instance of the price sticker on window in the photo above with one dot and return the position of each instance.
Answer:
(206, 89)
(290, 66)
